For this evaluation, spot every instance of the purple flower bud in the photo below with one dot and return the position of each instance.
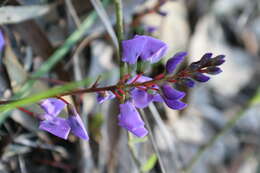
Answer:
(205, 58)
(76, 124)
(56, 126)
(175, 104)
(145, 47)
(213, 70)
(218, 60)
(104, 96)
(200, 77)
(52, 106)
(130, 119)
(174, 61)
(171, 93)
(187, 82)
(2, 41)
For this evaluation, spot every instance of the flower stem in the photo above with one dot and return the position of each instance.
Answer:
(120, 33)
(133, 152)
(155, 147)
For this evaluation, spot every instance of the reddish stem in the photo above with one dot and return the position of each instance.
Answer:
(137, 77)
(26, 111)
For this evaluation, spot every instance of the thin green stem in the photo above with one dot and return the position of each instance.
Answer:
(231, 123)
(120, 33)
(155, 147)
(133, 153)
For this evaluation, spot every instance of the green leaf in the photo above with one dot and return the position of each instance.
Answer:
(37, 97)
(150, 163)
(256, 98)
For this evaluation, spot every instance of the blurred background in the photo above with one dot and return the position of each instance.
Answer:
(219, 131)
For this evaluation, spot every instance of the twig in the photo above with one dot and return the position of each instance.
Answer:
(155, 147)
(73, 13)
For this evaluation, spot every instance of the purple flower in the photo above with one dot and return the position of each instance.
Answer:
(61, 126)
(52, 106)
(172, 97)
(104, 96)
(142, 98)
(2, 41)
(171, 93)
(130, 119)
(145, 47)
(175, 104)
(76, 124)
(56, 126)
(174, 61)
(218, 60)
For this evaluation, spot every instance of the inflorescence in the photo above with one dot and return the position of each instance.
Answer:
(135, 91)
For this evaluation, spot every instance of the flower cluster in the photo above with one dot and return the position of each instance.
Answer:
(140, 90)
(134, 92)
(60, 126)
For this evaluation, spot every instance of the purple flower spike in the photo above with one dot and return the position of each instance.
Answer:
(145, 47)
(200, 77)
(2, 40)
(76, 124)
(130, 119)
(104, 96)
(174, 61)
(175, 104)
(171, 93)
(56, 126)
(52, 106)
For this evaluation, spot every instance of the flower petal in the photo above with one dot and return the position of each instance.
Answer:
(132, 49)
(56, 126)
(130, 119)
(175, 104)
(76, 124)
(2, 41)
(153, 50)
(52, 106)
(174, 61)
(141, 98)
(171, 93)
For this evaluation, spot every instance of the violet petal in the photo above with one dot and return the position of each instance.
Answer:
(132, 49)
(77, 126)
(141, 98)
(52, 106)
(175, 104)
(153, 50)
(174, 61)
(171, 93)
(2, 40)
(56, 126)
(130, 119)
